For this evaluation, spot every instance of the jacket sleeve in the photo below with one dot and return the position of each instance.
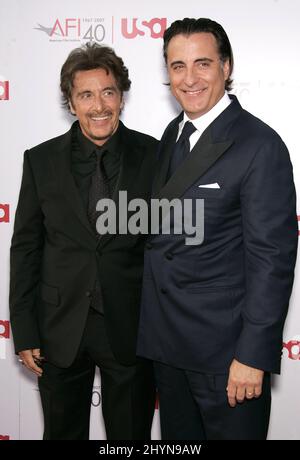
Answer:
(270, 233)
(25, 263)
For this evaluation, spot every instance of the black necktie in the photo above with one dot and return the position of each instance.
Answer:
(99, 189)
(182, 148)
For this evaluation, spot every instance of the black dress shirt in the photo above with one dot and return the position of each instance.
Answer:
(83, 161)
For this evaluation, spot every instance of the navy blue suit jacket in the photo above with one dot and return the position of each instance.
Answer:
(228, 297)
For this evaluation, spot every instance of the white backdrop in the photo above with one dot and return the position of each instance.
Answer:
(35, 39)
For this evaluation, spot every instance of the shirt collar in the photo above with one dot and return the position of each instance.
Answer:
(201, 123)
(87, 147)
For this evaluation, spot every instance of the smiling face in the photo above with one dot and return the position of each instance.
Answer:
(97, 103)
(197, 75)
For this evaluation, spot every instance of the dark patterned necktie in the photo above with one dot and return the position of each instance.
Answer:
(182, 148)
(99, 189)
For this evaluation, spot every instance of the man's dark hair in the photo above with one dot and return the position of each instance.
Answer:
(189, 26)
(88, 57)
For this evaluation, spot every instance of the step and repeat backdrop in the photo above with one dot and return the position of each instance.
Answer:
(35, 39)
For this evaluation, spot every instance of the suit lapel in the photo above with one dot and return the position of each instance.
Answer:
(61, 159)
(213, 143)
(132, 158)
(201, 158)
(166, 147)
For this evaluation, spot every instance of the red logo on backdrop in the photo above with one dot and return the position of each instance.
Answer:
(4, 90)
(4, 437)
(4, 212)
(156, 26)
(4, 329)
(293, 348)
(66, 26)
(4, 334)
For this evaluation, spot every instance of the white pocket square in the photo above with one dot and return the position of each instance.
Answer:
(215, 185)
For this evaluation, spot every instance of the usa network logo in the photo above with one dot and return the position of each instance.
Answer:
(4, 335)
(4, 213)
(293, 348)
(4, 89)
(102, 29)
(132, 28)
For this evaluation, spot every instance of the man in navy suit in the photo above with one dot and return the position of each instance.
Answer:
(213, 314)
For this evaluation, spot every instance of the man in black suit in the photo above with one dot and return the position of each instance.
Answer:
(212, 314)
(75, 293)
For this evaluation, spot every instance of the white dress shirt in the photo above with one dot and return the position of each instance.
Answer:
(201, 123)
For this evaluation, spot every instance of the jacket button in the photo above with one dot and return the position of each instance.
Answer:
(169, 256)
(88, 294)
(163, 291)
(149, 246)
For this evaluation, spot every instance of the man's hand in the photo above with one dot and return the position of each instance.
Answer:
(31, 359)
(243, 382)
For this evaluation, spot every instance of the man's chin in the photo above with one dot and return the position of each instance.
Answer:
(103, 137)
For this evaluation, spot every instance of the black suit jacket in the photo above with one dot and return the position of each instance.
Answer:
(55, 256)
(204, 305)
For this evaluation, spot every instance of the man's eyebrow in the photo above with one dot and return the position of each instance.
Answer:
(110, 88)
(84, 91)
(176, 63)
(203, 59)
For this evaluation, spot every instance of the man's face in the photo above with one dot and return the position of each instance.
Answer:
(197, 75)
(97, 102)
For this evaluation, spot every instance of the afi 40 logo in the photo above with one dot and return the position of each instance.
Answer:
(68, 29)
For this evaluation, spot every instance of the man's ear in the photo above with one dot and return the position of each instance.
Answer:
(72, 110)
(226, 69)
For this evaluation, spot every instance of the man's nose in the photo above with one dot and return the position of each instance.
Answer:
(98, 102)
(190, 76)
